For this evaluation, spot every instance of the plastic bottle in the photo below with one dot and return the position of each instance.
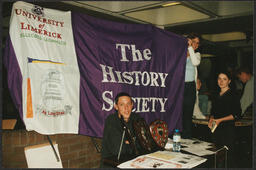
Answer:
(176, 141)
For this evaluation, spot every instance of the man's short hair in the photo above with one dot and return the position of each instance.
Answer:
(120, 95)
(244, 69)
(193, 35)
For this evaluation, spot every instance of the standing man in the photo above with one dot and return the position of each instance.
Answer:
(246, 77)
(114, 127)
(193, 60)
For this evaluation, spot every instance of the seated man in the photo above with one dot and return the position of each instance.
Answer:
(246, 100)
(114, 127)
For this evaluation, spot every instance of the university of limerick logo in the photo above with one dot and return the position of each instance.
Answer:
(38, 10)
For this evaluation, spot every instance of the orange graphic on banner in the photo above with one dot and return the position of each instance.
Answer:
(29, 100)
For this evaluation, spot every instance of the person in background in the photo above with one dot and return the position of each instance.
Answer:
(235, 85)
(225, 110)
(193, 60)
(197, 114)
(114, 127)
(204, 99)
(245, 76)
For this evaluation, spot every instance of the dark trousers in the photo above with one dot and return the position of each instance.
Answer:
(188, 108)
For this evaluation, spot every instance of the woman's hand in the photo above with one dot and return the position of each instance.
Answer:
(210, 122)
(218, 121)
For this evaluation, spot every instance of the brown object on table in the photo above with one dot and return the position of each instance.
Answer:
(159, 132)
(8, 123)
(240, 122)
(243, 122)
(143, 134)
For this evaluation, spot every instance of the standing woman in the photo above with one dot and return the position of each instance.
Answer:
(225, 110)
(193, 60)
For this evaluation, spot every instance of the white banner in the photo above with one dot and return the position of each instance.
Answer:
(43, 43)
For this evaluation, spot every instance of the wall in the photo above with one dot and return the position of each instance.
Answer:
(76, 151)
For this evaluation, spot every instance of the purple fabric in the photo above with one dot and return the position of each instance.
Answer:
(95, 44)
(14, 75)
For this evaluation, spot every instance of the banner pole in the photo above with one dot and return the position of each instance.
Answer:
(55, 153)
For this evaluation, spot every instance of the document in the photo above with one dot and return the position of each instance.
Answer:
(214, 126)
(194, 146)
(196, 142)
(183, 160)
(164, 159)
(197, 147)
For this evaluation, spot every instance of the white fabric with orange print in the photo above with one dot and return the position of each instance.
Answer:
(43, 43)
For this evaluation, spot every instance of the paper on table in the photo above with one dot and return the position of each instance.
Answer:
(164, 159)
(200, 151)
(148, 162)
(42, 156)
(184, 160)
(195, 142)
(162, 155)
(197, 147)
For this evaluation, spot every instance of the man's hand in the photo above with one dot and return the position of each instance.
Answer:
(189, 42)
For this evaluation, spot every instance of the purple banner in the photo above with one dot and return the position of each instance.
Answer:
(14, 75)
(142, 60)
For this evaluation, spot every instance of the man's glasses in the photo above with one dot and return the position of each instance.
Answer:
(195, 42)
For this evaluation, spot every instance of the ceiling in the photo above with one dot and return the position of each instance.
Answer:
(223, 23)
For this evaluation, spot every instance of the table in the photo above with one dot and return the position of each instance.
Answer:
(159, 159)
(169, 159)
(243, 139)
